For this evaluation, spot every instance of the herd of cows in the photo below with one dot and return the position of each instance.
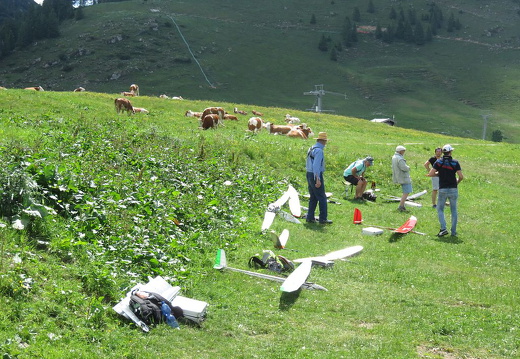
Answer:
(213, 117)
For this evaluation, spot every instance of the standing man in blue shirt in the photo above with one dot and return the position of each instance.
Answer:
(315, 166)
(450, 174)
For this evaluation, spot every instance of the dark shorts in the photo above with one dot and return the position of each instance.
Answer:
(351, 179)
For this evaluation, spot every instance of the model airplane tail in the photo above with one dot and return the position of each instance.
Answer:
(220, 260)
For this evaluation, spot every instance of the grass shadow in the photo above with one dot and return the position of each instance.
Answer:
(394, 237)
(287, 300)
(449, 239)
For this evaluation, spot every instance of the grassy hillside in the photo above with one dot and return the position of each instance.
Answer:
(132, 197)
(267, 54)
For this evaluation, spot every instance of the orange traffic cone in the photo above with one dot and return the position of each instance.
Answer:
(357, 216)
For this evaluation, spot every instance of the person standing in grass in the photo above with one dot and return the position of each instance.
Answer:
(315, 166)
(401, 175)
(435, 179)
(450, 175)
(354, 174)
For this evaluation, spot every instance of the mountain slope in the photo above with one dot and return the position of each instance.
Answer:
(267, 55)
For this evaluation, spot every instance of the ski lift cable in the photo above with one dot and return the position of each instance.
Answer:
(189, 49)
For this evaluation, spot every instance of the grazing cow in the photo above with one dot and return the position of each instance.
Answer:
(300, 132)
(36, 88)
(236, 110)
(141, 110)
(129, 94)
(123, 104)
(255, 124)
(164, 96)
(79, 89)
(190, 113)
(257, 113)
(135, 89)
(278, 129)
(2, 88)
(177, 98)
(230, 117)
(290, 119)
(214, 110)
(210, 121)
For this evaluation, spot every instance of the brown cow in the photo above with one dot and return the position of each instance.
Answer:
(300, 132)
(123, 104)
(190, 113)
(257, 113)
(210, 121)
(230, 117)
(79, 89)
(129, 94)
(140, 110)
(214, 110)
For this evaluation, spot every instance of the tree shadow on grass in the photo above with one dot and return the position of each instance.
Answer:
(287, 300)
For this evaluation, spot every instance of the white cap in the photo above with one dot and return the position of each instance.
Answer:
(400, 148)
(447, 148)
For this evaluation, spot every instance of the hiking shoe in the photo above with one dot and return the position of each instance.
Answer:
(401, 209)
(434, 206)
(442, 233)
(327, 221)
(311, 221)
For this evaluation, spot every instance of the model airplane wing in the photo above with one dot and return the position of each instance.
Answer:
(407, 226)
(294, 202)
(289, 217)
(327, 194)
(332, 256)
(297, 278)
(268, 220)
(417, 195)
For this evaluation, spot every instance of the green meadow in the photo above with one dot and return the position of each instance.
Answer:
(266, 53)
(93, 202)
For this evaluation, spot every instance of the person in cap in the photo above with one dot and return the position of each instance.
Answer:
(354, 174)
(435, 179)
(315, 166)
(401, 175)
(450, 175)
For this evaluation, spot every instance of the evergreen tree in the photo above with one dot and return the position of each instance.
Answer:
(408, 35)
(324, 44)
(393, 14)
(371, 8)
(389, 34)
(333, 54)
(497, 136)
(379, 32)
(428, 36)
(313, 19)
(356, 15)
(345, 32)
(451, 23)
(412, 16)
(419, 34)
(78, 14)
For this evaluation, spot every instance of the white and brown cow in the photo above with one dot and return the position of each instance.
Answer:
(300, 132)
(135, 89)
(128, 94)
(255, 124)
(214, 110)
(140, 110)
(236, 110)
(36, 88)
(256, 113)
(278, 129)
(191, 113)
(79, 89)
(123, 104)
(210, 121)
(291, 119)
